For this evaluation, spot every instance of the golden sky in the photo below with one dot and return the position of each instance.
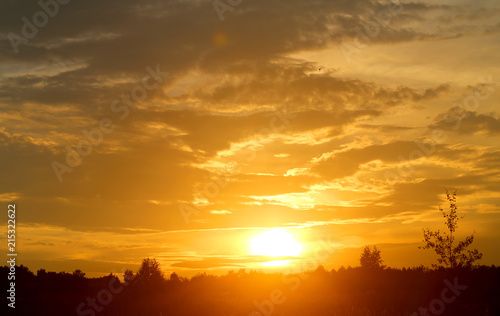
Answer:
(183, 131)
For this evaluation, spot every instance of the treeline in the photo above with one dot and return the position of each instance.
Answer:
(346, 291)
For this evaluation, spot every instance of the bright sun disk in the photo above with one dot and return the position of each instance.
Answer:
(275, 243)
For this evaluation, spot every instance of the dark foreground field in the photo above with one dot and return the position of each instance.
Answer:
(351, 291)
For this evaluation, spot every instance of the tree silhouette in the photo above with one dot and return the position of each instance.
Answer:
(78, 273)
(150, 271)
(443, 242)
(128, 276)
(371, 258)
(316, 292)
(174, 277)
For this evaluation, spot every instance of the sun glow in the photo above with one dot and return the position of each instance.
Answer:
(277, 263)
(275, 243)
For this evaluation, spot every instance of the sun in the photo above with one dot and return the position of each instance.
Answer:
(275, 243)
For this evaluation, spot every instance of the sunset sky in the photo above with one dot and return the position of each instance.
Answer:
(326, 125)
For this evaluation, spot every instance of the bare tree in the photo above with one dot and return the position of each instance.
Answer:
(443, 242)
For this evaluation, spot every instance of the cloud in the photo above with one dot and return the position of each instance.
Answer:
(346, 162)
(295, 144)
(221, 212)
(462, 121)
